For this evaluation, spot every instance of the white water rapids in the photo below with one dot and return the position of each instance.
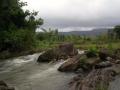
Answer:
(24, 73)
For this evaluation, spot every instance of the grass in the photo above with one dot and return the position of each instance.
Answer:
(85, 46)
(45, 45)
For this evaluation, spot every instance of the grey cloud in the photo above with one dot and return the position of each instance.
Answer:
(77, 13)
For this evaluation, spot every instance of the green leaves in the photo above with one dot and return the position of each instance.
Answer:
(17, 27)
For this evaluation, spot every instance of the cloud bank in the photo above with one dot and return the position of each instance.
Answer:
(77, 13)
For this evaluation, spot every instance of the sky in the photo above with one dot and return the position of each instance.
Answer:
(69, 15)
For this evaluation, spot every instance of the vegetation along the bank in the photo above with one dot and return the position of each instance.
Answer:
(18, 34)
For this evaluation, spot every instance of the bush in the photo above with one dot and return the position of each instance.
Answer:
(92, 52)
(18, 40)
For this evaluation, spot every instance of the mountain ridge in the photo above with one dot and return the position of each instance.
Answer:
(94, 32)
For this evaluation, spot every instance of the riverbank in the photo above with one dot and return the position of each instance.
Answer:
(95, 69)
(30, 73)
(45, 46)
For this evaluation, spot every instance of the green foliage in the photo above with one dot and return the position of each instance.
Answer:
(17, 31)
(110, 46)
(12, 16)
(92, 52)
(18, 40)
(48, 38)
(17, 27)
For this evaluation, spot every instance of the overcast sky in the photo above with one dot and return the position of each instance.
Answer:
(77, 14)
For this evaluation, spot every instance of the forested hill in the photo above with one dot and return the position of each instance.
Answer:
(93, 32)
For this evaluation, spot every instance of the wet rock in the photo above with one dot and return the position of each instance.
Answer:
(96, 80)
(71, 64)
(103, 65)
(2, 83)
(109, 59)
(4, 86)
(67, 49)
(103, 54)
(80, 70)
(79, 63)
(106, 54)
(48, 56)
(93, 61)
(63, 51)
(117, 62)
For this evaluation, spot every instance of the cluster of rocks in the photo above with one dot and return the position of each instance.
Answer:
(4, 86)
(96, 80)
(95, 71)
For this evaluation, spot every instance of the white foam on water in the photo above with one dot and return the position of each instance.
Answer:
(47, 72)
(81, 51)
(17, 62)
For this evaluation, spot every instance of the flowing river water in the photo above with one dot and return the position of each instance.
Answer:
(24, 73)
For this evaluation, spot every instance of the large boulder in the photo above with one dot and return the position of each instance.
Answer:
(4, 86)
(67, 49)
(71, 64)
(114, 54)
(109, 55)
(96, 80)
(79, 63)
(104, 53)
(63, 51)
(103, 64)
(48, 56)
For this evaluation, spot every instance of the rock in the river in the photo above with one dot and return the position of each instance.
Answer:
(103, 65)
(67, 49)
(80, 70)
(117, 62)
(63, 51)
(4, 86)
(48, 56)
(71, 64)
(96, 80)
(79, 62)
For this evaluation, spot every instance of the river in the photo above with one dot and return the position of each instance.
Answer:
(24, 73)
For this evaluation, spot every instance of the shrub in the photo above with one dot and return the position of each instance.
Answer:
(92, 52)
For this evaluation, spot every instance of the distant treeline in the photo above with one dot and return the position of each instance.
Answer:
(53, 35)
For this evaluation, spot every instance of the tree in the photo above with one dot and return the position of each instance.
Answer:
(17, 27)
(12, 16)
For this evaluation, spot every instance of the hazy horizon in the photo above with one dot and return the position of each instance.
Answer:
(83, 14)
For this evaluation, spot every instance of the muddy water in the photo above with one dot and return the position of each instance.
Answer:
(24, 73)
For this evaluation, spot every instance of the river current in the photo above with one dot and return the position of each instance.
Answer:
(24, 73)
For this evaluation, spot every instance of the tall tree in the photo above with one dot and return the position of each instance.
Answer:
(13, 19)
(12, 15)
